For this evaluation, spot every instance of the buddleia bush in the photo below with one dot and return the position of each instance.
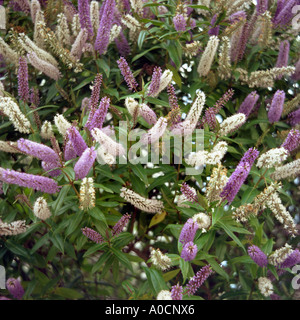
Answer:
(100, 199)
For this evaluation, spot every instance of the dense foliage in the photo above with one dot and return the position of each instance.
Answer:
(78, 220)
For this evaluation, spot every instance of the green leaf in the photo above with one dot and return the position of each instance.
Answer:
(242, 259)
(104, 257)
(214, 264)
(155, 280)
(139, 171)
(228, 230)
(58, 242)
(56, 205)
(17, 249)
(84, 83)
(185, 268)
(175, 52)
(68, 293)
(144, 52)
(122, 258)
(105, 171)
(141, 38)
(161, 180)
(74, 221)
(104, 66)
(170, 275)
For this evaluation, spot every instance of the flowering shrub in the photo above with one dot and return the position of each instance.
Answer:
(100, 199)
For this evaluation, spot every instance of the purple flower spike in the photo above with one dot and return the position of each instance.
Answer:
(250, 156)
(77, 141)
(92, 235)
(49, 166)
(188, 192)
(100, 114)
(179, 23)
(291, 260)
(35, 182)
(189, 251)
(119, 226)
(84, 15)
(292, 141)
(188, 231)
(283, 55)
(249, 103)
(262, 6)
(285, 15)
(276, 107)
(155, 81)
(213, 31)
(105, 25)
(38, 150)
(239, 176)
(148, 114)
(23, 86)
(235, 182)
(127, 74)
(15, 288)
(122, 45)
(258, 256)
(296, 75)
(176, 292)
(198, 279)
(294, 117)
(85, 163)
(69, 152)
(95, 96)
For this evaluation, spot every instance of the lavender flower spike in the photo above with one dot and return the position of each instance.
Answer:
(77, 141)
(119, 226)
(102, 39)
(276, 107)
(213, 31)
(258, 256)
(176, 292)
(179, 23)
(262, 6)
(294, 117)
(291, 260)
(38, 150)
(296, 75)
(95, 96)
(127, 74)
(188, 192)
(35, 182)
(248, 104)
(283, 55)
(292, 141)
(147, 113)
(85, 163)
(188, 231)
(84, 15)
(189, 251)
(92, 235)
(23, 86)
(15, 288)
(155, 82)
(69, 152)
(198, 279)
(100, 114)
(239, 176)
